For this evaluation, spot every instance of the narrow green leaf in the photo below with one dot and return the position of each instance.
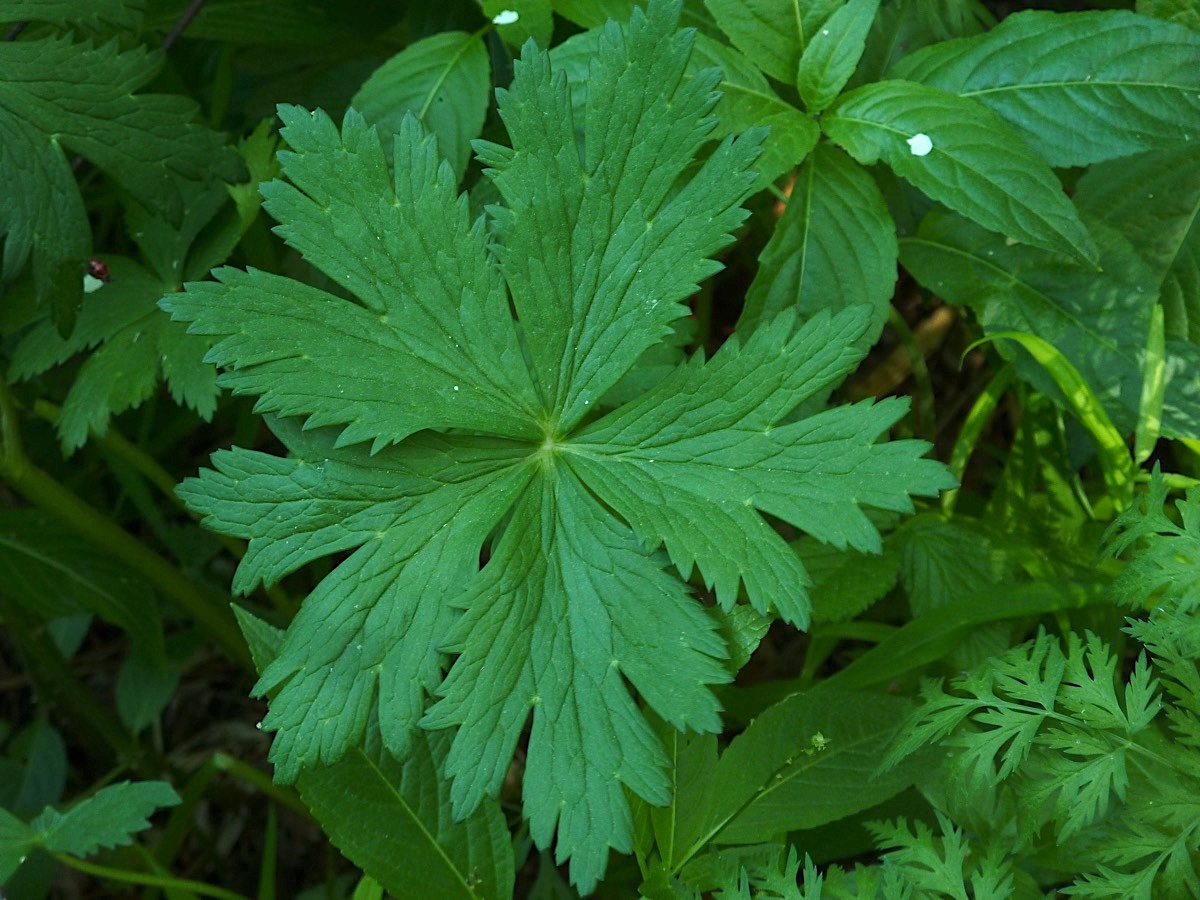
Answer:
(53, 572)
(1153, 389)
(1115, 461)
(773, 33)
(833, 247)
(444, 81)
(961, 154)
(1097, 320)
(833, 53)
(934, 635)
(1078, 88)
(394, 822)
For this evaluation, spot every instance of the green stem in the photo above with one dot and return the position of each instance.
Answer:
(40, 489)
(56, 685)
(169, 882)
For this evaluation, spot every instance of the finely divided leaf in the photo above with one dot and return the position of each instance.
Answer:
(1078, 88)
(960, 153)
(598, 251)
(444, 81)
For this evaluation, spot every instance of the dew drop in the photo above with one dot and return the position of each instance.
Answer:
(506, 17)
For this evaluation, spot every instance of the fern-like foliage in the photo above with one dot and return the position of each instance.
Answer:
(424, 421)
(1063, 762)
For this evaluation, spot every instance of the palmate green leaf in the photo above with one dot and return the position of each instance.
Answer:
(573, 585)
(597, 251)
(774, 33)
(963, 155)
(834, 245)
(575, 618)
(444, 81)
(1078, 88)
(137, 345)
(690, 462)
(406, 249)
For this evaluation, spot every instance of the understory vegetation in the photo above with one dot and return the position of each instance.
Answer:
(552, 448)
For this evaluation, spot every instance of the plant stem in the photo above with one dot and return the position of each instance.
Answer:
(43, 491)
(56, 685)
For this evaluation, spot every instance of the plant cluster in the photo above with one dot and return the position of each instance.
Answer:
(537, 482)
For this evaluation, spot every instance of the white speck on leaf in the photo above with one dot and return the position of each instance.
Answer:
(456, 387)
(506, 17)
(920, 144)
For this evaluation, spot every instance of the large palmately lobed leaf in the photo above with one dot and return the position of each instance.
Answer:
(424, 421)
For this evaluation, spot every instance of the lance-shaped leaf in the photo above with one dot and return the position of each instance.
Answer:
(834, 245)
(963, 155)
(774, 33)
(1078, 88)
(444, 80)
(831, 57)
